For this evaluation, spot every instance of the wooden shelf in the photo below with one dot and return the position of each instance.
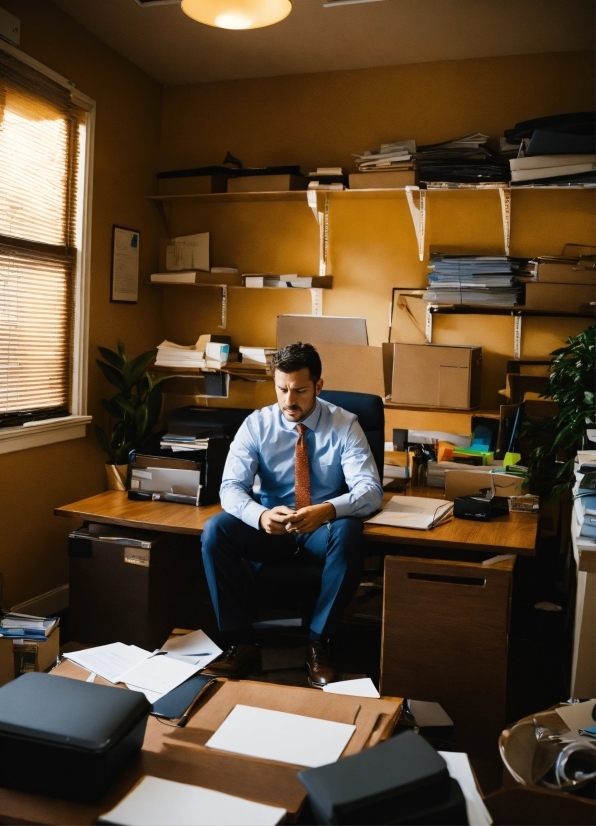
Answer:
(232, 197)
(473, 309)
(242, 287)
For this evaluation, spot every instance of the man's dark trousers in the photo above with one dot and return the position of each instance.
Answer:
(336, 546)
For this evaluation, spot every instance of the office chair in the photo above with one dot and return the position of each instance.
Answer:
(297, 586)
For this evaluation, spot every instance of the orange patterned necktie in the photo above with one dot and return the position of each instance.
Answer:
(302, 470)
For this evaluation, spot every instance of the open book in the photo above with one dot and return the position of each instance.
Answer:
(416, 512)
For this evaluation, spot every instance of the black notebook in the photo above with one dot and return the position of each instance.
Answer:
(177, 703)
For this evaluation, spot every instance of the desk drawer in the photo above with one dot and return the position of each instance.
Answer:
(445, 630)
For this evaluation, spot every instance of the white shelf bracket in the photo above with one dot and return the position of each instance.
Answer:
(418, 213)
(316, 296)
(311, 198)
(429, 324)
(505, 196)
(224, 307)
(517, 336)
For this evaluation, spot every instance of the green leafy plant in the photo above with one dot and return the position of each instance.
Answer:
(572, 385)
(135, 408)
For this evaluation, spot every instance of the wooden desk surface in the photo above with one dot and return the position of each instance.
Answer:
(113, 507)
(513, 534)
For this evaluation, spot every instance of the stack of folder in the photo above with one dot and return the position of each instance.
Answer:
(473, 279)
(465, 160)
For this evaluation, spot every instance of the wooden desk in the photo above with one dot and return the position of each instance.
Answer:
(513, 534)
(445, 615)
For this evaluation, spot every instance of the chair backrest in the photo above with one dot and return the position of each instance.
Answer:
(371, 415)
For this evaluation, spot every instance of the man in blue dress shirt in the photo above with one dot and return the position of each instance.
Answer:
(318, 478)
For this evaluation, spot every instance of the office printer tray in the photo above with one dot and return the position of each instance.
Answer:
(67, 738)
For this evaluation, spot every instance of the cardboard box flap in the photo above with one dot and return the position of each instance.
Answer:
(226, 695)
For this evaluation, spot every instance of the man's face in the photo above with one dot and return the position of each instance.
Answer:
(296, 393)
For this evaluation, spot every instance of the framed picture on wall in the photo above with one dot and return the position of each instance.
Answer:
(124, 287)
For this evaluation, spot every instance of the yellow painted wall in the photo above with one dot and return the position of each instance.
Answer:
(319, 120)
(33, 551)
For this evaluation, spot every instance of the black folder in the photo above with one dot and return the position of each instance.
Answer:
(177, 703)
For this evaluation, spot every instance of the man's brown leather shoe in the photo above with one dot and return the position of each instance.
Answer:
(320, 670)
(238, 660)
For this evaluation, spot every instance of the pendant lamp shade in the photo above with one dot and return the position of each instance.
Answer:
(237, 14)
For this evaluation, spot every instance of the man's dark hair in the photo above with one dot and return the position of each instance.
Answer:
(295, 357)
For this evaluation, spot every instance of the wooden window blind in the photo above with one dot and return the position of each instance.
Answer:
(40, 135)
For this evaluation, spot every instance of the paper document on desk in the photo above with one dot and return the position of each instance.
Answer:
(278, 735)
(459, 769)
(154, 800)
(415, 512)
(195, 648)
(362, 687)
(159, 674)
(109, 661)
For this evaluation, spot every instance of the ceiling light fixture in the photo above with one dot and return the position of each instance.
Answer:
(237, 14)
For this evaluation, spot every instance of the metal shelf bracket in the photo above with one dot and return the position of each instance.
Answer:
(418, 213)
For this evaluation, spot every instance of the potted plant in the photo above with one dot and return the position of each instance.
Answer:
(133, 410)
(572, 385)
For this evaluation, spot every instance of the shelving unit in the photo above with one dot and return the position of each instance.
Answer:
(364, 238)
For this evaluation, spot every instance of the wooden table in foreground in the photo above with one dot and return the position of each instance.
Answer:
(180, 754)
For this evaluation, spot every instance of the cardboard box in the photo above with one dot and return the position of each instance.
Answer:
(354, 367)
(31, 655)
(435, 375)
(192, 185)
(324, 329)
(267, 183)
(565, 271)
(388, 179)
(562, 298)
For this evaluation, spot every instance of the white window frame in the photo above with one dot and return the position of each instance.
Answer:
(49, 431)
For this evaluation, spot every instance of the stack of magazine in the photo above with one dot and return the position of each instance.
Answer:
(473, 279)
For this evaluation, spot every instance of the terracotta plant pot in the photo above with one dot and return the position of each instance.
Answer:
(116, 476)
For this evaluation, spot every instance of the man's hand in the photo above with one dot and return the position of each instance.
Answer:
(307, 520)
(274, 521)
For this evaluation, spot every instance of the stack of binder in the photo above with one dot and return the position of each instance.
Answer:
(489, 280)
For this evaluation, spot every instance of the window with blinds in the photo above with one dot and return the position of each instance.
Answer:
(42, 133)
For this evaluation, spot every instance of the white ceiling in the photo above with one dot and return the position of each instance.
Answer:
(173, 49)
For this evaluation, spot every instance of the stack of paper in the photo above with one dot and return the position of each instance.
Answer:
(256, 355)
(154, 800)
(415, 512)
(473, 279)
(397, 155)
(170, 354)
(554, 168)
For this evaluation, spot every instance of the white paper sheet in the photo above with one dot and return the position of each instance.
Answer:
(159, 674)
(576, 716)
(277, 735)
(195, 648)
(459, 769)
(169, 803)
(109, 661)
(363, 687)
(152, 696)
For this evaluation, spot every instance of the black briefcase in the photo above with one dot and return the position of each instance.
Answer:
(67, 738)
